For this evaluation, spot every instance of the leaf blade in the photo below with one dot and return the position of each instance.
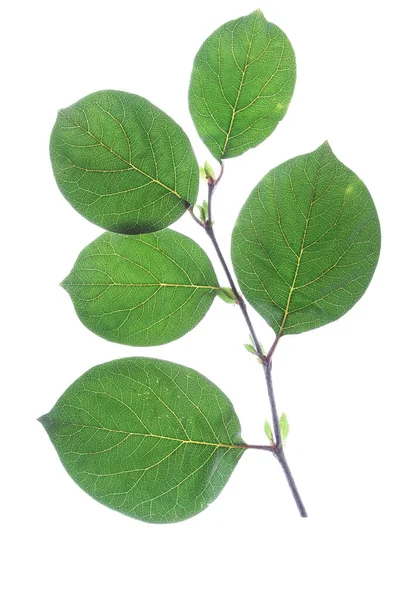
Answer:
(284, 426)
(123, 163)
(242, 82)
(151, 439)
(268, 431)
(142, 290)
(306, 243)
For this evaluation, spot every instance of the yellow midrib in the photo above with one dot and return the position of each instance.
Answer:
(182, 285)
(293, 285)
(239, 91)
(154, 180)
(161, 437)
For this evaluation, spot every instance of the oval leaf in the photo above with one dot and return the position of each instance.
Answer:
(142, 290)
(306, 243)
(284, 426)
(149, 438)
(242, 82)
(123, 163)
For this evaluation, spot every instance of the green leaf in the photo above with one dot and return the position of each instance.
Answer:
(227, 295)
(284, 426)
(149, 438)
(123, 163)
(250, 348)
(203, 211)
(142, 290)
(242, 82)
(209, 171)
(268, 431)
(306, 243)
(202, 214)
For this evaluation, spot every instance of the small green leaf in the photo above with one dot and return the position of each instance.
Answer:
(123, 163)
(250, 348)
(203, 211)
(203, 173)
(284, 426)
(142, 290)
(268, 431)
(209, 172)
(306, 243)
(261, 346)
(202, 214)
(242, 82)
(149, 438)
(227, 295)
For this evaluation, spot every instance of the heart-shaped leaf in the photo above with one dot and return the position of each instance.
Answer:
(123, 163)
(306, 243)
(142, 290)
(149, 438)
(242, 82)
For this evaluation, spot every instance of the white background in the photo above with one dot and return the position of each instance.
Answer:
(338, 384)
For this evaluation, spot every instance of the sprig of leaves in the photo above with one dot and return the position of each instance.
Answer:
(155, 440)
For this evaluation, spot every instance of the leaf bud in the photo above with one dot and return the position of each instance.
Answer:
(268, 431)
(209, 173)
(227, 295)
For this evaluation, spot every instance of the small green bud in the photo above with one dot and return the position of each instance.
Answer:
(203, 173)
(253, 350)
(261, 346)
(208, 170)
(202, 214)
(284, 426)
(268, 431)
(250, 348)
(227, 295)
(203, 211)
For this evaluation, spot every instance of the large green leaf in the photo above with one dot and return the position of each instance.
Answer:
(123, 163)
(149, 438)
(306, 243)
(142, 290)
(242, 82)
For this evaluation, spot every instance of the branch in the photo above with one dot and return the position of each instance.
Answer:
(266, 360)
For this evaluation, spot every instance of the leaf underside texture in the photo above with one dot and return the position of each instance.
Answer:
(306, 243)
(242, 82)
(142, 290)
(152, 439)
(123, 163)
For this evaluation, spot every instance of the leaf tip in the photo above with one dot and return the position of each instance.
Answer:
(44, 420)
(326, 145)
(259, 13)
(64, 284)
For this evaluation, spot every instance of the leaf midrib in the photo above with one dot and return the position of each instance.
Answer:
(178, 285)
(129, 163)
(152, 435)
(303, 241)
(240, 89)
